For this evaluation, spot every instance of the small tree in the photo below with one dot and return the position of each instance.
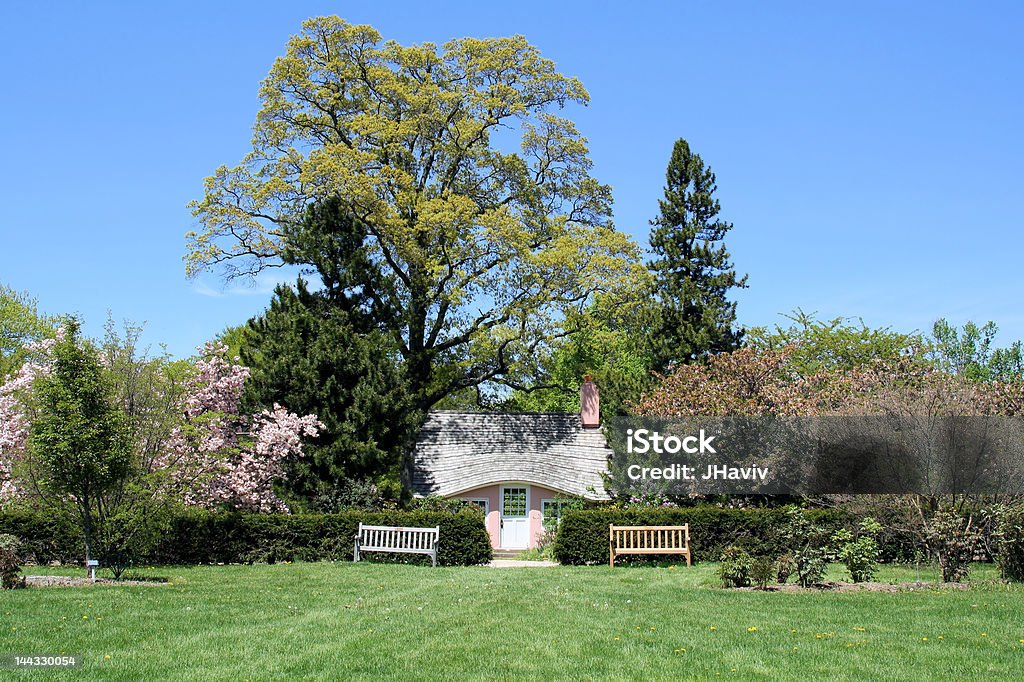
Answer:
(809, 546)
(79, 438)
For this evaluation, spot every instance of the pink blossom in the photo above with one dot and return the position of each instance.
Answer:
(215, 457)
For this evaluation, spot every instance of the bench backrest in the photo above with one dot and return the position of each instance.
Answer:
(650, 537)
(392, 537)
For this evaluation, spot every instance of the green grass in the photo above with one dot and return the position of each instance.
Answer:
(371, 621)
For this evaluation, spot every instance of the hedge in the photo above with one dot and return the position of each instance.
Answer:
(199, 537)
(583, 534)
(1009, 538)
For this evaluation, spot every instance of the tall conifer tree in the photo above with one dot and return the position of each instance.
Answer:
(692, 271)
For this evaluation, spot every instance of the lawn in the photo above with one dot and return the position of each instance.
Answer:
(372, 621)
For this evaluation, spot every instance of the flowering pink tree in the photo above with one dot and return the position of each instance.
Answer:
(14, 421)
(213, 457)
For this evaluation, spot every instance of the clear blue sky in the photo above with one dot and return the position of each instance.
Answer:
(870, 156)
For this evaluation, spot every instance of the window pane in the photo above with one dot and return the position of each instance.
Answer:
(514, 502)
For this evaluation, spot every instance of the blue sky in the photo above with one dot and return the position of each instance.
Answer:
(870, 157)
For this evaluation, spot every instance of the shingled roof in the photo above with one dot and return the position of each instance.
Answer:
(460, 451)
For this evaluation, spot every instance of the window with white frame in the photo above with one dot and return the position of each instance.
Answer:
(551, 511)
(479, 502)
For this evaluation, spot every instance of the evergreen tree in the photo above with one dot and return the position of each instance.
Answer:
(326, 352)
(692, 272)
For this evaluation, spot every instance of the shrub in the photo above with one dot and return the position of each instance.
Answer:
(734, 569)
(785, 568)
(1009, 540)
(762, 571)
(859, 551)
(11, 542)
(10, 569)
(583, 534)
(808, 540)
(952, 540)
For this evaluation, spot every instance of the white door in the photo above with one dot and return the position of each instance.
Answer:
(515, 520)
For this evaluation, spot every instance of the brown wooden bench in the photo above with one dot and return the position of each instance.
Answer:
(648, 540)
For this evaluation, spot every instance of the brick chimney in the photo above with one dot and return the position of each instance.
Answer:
(590, 404)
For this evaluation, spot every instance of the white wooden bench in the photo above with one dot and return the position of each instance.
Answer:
(399, 540)
(648, 540)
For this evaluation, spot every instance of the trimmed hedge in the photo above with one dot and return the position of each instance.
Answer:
(583, 534)
(199, 537)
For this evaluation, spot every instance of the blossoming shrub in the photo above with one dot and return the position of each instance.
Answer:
(583, 534)
(1009, 537)
(953, 541)
(10, 562)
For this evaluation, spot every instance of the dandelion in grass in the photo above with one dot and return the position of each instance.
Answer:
(752, 628)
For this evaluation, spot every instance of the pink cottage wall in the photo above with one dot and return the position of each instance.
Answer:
(492, 493)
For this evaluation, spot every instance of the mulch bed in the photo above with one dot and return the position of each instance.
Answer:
(70, 581)
(864, 587)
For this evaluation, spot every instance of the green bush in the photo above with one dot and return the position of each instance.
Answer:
(11, 542)
(808, 541)
(762, 572)
(859, 552)
(583, 534)
(1009, 541)
(201, 537)
(734, 567)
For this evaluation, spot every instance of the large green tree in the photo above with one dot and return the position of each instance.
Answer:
(476, 196)
(607, 346)
(692, 271)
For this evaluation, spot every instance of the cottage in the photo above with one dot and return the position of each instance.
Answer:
(517, 467)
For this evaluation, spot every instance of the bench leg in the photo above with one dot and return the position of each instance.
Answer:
(355, 553)
(611, 558)
(687, 559)
(433, 558)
